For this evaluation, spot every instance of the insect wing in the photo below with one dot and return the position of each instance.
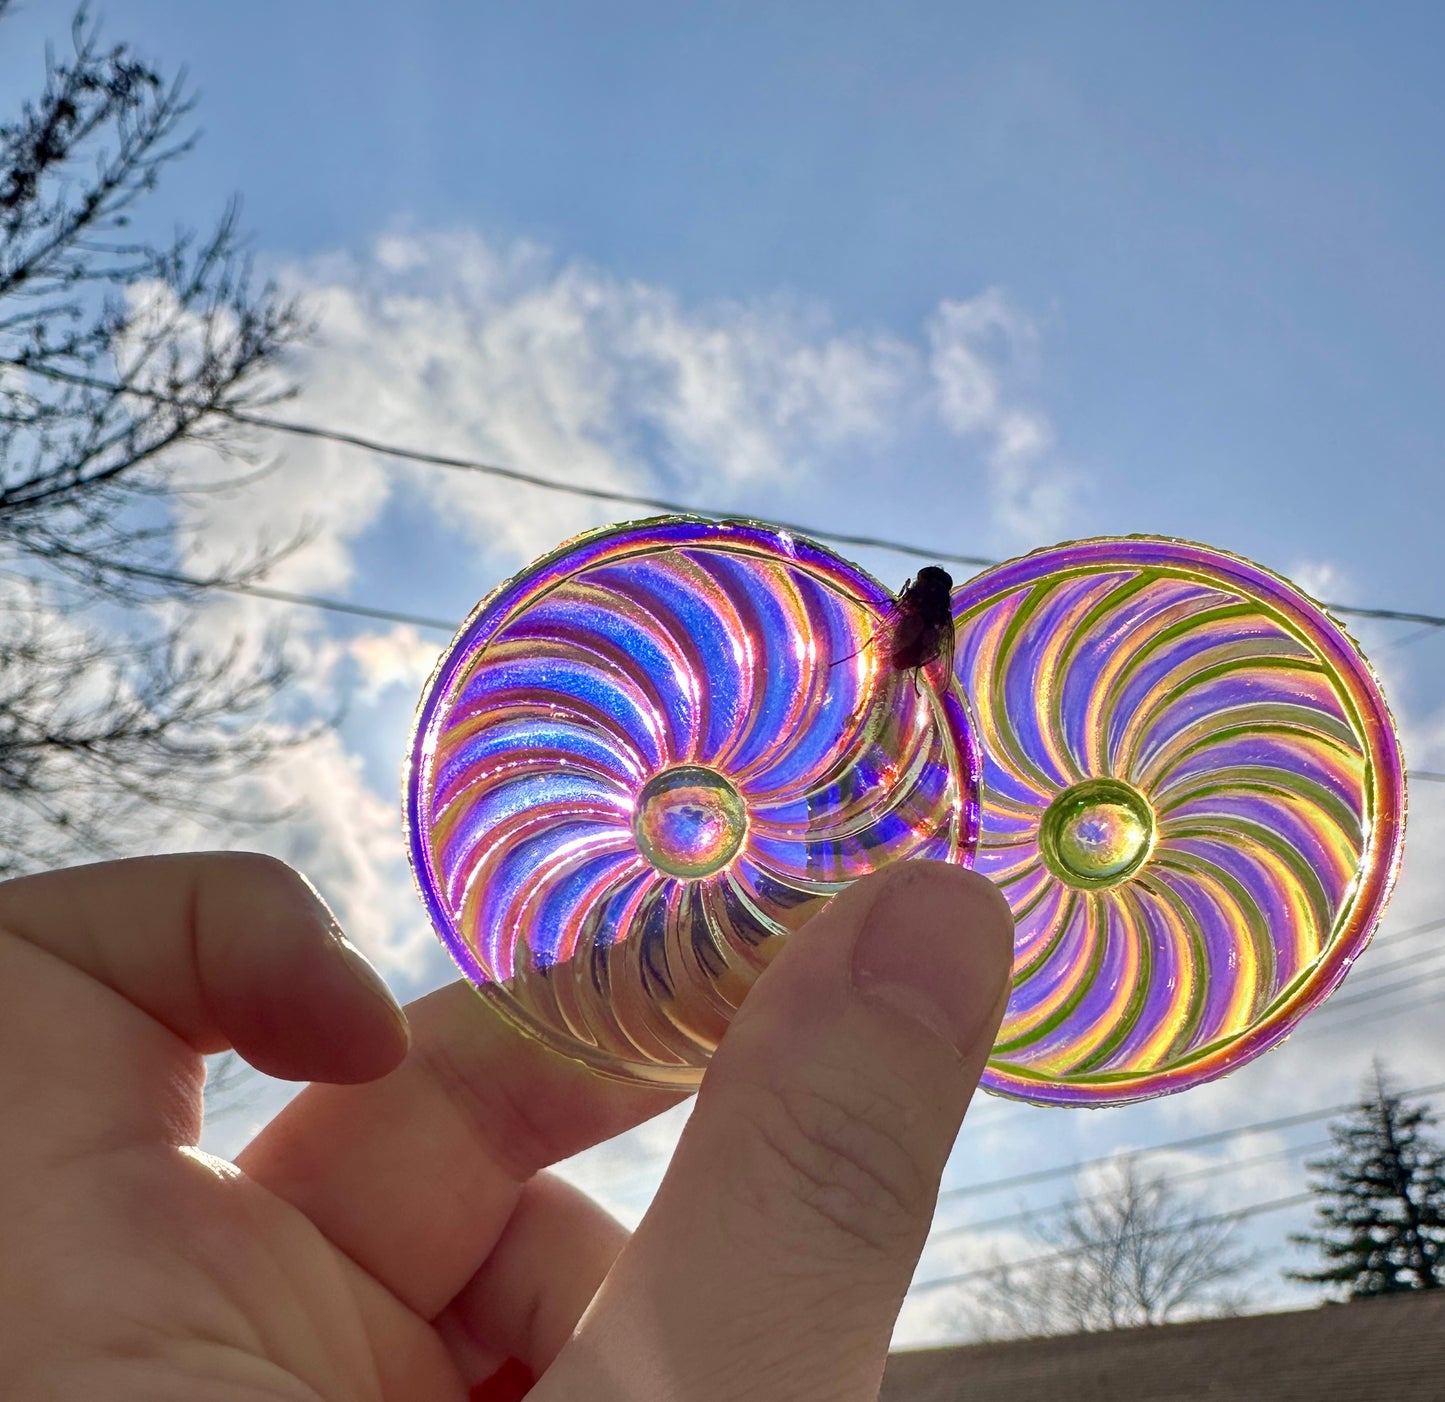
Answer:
(940, 669)
(908, 641)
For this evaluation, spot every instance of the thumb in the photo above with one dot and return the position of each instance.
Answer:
(775, 1258)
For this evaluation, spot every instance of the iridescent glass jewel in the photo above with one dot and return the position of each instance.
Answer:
(650, 756)
(1193, 799)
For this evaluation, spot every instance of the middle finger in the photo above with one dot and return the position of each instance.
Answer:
(414, 1176)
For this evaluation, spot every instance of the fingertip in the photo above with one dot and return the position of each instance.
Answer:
(381, 1033)
(387, 1037)
(934, 942)
(319, 1013)
(288, 990)
(979, 905)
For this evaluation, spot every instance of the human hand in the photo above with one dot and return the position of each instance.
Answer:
(393, 1237)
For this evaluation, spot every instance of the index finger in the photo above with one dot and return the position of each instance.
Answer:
(116, 977)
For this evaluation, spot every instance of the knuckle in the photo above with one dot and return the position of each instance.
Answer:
(510, 1123)
(261, 872)
(260, 868)
(839, 1155)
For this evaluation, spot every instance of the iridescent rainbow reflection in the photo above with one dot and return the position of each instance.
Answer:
(689, 821)
(1193, 800)
(1096, 834)
(648, 758)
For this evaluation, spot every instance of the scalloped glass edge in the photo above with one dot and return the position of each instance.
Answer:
(435, 689)
(1389, 815)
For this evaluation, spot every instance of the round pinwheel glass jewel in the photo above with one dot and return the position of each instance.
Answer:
(651, 755)
(1193, 799)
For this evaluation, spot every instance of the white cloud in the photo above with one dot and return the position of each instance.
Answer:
(976, 349)
(397, 657)
(499, 352)
(1322, 579)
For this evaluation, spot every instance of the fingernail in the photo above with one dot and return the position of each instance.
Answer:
(361, 967)
(510, 1383)
(927, 948)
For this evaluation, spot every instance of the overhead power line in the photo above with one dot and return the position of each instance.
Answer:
(384, 615)
(284, 596)
(1367, 972)
(1214, 1170)
(607, 494)
(538, 480)
(1393, 937)
(431, 622)
(1370, 995)
(1197, 1141)
(1011, 1111)
(979, 1272)
(1431, 1000)
(651, 503)
(999, 1110)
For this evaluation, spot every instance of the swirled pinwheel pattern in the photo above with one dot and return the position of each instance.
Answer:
(649, 757)
(1193, 800)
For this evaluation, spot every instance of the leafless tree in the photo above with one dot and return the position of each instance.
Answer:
(1135, 1252)
(126, 365)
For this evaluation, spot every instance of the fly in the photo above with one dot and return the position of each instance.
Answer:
(918, 626)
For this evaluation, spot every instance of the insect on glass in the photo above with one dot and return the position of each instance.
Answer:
(918, 628)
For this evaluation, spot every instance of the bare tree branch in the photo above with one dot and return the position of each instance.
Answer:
(1137, 1252)
(125, 364)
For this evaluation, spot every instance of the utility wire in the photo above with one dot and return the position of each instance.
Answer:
(1197, 1141)
(1030, 1214)
(284, 596)
(1007, 1111)
(1394, 937)
(1429, 1001)
(1371, 971)
(1370, 994)
(979, 1272)
(342, 606)
(552, 484)
(299, 429)
(1012, 1111)
(607, 494)
(1233, 1215)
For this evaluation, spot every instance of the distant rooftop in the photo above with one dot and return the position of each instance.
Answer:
(1391, 1349)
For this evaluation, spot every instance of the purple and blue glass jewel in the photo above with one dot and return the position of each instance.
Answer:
(651, 755)
(657, 751)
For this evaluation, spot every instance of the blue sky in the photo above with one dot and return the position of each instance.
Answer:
(1223, 218)
(1192, 252)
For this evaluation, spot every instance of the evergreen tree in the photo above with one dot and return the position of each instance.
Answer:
(1382, 1224)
